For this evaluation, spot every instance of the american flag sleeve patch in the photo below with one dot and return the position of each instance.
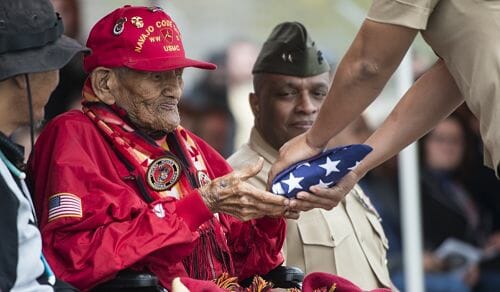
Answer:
(64, 205)
(324, 170)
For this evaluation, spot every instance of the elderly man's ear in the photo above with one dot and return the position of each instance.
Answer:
(104, 80)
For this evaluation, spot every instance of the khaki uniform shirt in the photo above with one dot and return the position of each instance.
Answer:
(348, 240)
(465, 34)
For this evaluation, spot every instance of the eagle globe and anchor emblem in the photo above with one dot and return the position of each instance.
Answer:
(163, 173)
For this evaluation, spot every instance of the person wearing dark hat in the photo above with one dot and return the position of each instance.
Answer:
(32, 50)
(291, 80)
(129, 188)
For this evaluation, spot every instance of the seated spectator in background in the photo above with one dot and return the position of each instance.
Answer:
(443, 193)
(435, 211)
(121, 185)
(31, 53)
(291, 80)
(449, 209)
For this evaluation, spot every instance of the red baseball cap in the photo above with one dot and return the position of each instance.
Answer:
(139, 38)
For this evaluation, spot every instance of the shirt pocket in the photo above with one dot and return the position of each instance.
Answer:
(312, 234)
(320, 241)
(377, 227)
(317, 245)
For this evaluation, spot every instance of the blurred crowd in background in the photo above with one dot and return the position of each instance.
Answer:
(460, 197)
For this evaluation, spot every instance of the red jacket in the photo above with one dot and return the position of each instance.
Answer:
(117, 229)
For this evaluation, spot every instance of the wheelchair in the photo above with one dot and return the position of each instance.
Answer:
(128, 281)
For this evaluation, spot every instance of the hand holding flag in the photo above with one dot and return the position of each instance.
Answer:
(323, 170)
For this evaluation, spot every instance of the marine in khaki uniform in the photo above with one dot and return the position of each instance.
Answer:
(291, 79)
(463, 33)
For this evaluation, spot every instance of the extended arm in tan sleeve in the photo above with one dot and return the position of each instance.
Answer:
(432, 98)
(372, 58)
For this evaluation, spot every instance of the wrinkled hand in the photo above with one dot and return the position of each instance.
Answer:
(320, 197)
(231, 194)
(293, 151)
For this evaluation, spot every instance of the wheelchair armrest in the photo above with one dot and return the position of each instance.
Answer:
(285, 277)
(129, 280)
(281, 277)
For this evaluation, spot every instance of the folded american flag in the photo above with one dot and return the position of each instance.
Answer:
(325, 170)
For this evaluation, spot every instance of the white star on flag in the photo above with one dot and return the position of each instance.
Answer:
(324, 170)
(330, 166)
(304, 164)
(293, 182)
(355, 165)
(323, 184)
(277, 189)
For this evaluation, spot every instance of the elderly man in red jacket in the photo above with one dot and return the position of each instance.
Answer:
(120, 185)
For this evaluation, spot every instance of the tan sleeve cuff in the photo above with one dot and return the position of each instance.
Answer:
(400, 13)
